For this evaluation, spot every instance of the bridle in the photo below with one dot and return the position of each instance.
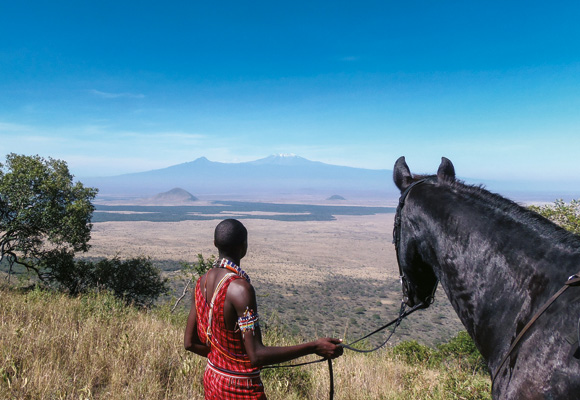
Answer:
(397, 242)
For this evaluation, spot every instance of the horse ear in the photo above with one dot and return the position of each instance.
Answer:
(402, 174)
(446, 170)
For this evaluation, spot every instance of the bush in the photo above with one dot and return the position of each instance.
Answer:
(460, 350)
(412, 352)
(565, 215)
(136, 280)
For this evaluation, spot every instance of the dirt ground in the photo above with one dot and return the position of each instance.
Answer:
(279, 251)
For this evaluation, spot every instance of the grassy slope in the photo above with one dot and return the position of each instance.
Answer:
(93, 347)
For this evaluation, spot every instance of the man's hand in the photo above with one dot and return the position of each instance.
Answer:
(328, 347)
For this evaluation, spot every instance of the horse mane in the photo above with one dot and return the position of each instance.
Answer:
(524, 215)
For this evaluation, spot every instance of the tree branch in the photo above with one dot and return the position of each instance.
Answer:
(182, 295)
(28, 266)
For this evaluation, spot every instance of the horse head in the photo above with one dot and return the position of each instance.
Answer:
(502, 267)
(418, 279)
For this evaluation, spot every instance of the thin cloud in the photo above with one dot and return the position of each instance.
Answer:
(9, 127)
(93, 166)
(107, 95)
(163, 137)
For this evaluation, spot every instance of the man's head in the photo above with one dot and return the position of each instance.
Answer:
(231, 238)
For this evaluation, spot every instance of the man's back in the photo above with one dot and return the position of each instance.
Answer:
(223, 325)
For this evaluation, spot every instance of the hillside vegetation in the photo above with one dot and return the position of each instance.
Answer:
(93, 346)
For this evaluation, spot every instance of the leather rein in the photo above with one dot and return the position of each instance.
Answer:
(574, 280)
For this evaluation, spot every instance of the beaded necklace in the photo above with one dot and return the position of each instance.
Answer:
(227, 264)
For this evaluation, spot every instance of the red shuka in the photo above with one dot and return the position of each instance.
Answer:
(229, 373)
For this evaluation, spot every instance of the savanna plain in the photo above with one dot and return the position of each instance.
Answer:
(318, 278)
(334, 278)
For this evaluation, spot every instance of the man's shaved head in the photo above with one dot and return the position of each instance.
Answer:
(229, 235)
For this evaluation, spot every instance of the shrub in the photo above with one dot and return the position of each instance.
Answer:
(412, 352)
(136, 280)
(462, 349)
(565, 215)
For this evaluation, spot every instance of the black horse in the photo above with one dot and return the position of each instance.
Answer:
(499, 263)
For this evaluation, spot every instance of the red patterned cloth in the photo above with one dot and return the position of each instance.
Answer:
(229, 374)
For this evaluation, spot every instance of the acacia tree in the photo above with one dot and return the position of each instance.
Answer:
(44, 215)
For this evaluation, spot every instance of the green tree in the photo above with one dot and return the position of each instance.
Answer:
(44, 215)
(565, 215)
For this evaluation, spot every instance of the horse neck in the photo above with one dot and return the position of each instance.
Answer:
(496, 269)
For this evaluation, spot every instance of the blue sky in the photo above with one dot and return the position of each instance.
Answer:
(125, 86)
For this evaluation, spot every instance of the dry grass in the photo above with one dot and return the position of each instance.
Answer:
(94, 347)
(54, 347)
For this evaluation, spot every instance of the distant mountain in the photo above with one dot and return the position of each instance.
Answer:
(291, 160)
(174, 196)
(274, 177)
(288, 177)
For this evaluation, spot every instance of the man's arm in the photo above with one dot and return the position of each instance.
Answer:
(243, 297)
(191, 340)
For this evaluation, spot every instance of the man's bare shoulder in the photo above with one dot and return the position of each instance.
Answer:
(242, 285)
(241, 291)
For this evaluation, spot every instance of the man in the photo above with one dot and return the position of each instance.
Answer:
(223, 325)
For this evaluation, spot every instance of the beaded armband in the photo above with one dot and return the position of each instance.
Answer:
(248, 321)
